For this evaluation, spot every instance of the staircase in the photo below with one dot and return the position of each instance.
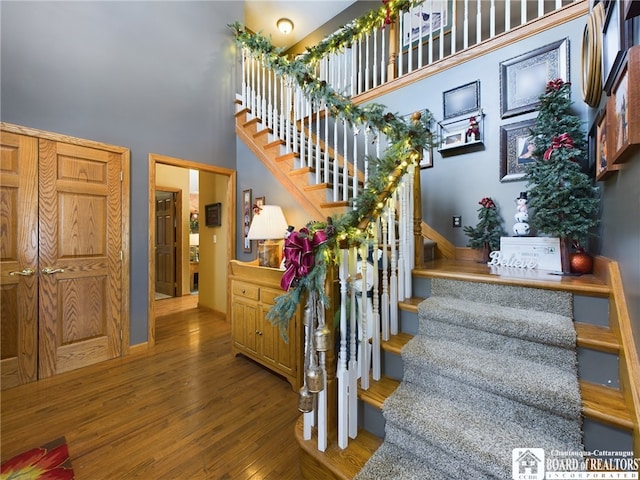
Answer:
(607, 411)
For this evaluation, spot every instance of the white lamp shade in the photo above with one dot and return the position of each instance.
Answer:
(268, 224)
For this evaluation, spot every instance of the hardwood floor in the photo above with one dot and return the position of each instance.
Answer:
(186, 410)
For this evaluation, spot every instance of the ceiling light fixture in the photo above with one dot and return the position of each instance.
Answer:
(285, 25)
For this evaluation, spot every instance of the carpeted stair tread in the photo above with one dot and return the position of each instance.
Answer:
(455, 425)
(543, 354)
(533, 299)
(393, 462)
(542, 327)
(531, 383)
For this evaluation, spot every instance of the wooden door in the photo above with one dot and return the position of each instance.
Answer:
(18, 259)
(80, 222)
(166, 243)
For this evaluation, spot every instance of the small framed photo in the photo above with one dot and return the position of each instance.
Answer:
(524, 78)
(631, 9)
(517, 148)
(625, 95)
(427, 158)
(461, 100)
(247, 215)
(423, 22)
(452, 139)
(603, 141)
(257, 205)
(615, 39)
(212, 214)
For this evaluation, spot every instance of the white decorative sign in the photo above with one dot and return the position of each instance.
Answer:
(541, 252)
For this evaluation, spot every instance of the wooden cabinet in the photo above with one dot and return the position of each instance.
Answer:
(253, 293)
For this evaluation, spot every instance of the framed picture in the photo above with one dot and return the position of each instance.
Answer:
(212, 213)
(624, 127)
(613, 34)
(631, 9)
(452, 139)
(246, 219)
(427, 158)
(461, 100)
(516, 150)
(524, 78)
(257, 205)
(423, 22)
(603, 142)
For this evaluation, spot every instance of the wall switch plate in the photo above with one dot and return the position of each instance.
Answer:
(457, 221)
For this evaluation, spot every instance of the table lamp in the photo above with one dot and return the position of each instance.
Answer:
(268, 226)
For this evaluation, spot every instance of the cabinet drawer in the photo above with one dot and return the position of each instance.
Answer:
(268, 295)
(246, 290)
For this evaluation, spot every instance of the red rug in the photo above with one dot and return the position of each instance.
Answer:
(49, 462)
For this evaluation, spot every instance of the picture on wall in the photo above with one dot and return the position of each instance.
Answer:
(602, 147)
(461, 100)
(613, 44)
(212, 214)
(422, 22)
(625, 113)
(516, 150)
(427, 158)
(246, 219)
(524, 78)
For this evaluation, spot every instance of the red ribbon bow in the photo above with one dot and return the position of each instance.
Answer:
(555, 85)
(563, 140)
(486, 202)
(299, 256)
(387, 18)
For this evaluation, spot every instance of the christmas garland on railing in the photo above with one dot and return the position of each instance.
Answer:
(407, 140)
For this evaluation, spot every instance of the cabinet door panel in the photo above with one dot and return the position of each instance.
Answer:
(18, 257)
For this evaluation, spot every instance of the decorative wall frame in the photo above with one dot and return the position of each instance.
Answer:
(427, 158)
(516, 150)
(592, 57)
(246, 219)
(461, 100)
(613, 44)
(604, 167)
(524, 78)
(421, 23)
(212, 214)
(625, 114)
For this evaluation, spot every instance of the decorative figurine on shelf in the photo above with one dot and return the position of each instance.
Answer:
(521, 227)
(473, 132)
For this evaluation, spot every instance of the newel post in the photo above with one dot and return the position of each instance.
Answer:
(418, 249)
(393, 51)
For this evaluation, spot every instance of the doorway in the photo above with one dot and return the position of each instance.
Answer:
(219, 242)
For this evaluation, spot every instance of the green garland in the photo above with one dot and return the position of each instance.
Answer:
(408, 140)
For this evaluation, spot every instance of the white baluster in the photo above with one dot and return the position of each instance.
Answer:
(402, 241)
(244, 78)
(353, 363)
(409, 29)
(478, 22)
(317, 154)
(354, 180)
(322, 395)
(523, 12)
(375, 340)
(364, 326)
(345, 162)
(383, 59)
(409, 239)
(366, 68)
(431, 31)
(492, 19)
(401, 33)
(540, 8)
(393, 278)
(326, 179)
(465, 26)
(384, 299)
(454, 27)
(342, 374)
(507, 15)
(358, 88)
(375, 57)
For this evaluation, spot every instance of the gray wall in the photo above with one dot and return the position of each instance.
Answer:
(150, 76)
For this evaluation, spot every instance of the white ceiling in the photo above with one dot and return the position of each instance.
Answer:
(306, 15)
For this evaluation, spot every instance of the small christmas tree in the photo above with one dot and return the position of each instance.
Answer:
(486, 234)
(563, 199)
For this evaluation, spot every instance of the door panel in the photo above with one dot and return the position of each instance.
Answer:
(80, 248)
(18, 257)
(166, 243)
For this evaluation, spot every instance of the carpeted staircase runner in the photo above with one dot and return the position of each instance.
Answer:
(492, 368)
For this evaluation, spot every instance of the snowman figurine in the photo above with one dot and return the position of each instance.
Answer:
(521, 227)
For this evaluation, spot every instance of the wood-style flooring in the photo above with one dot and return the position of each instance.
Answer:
(187, 409)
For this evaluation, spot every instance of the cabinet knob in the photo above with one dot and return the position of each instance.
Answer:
(244, 291)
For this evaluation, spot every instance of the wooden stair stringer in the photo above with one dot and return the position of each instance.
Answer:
(260, 146)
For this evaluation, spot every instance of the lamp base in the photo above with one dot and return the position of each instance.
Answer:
(269, 254)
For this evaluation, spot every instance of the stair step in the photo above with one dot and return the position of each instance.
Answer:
(378, 391)
(335, 463)
(276, 143)
(605, 404)
(396, 342)
(410, 304)
(597, 338)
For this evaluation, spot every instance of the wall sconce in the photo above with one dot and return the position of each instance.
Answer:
(268, 225)
(285, 26)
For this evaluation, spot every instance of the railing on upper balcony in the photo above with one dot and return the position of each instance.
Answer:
(337, 147)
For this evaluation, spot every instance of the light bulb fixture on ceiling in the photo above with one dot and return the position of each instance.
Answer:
(285, 25)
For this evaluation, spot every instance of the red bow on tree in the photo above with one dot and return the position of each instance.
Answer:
(486, 202)
(555, 85)
(563, 140)
(387, 18)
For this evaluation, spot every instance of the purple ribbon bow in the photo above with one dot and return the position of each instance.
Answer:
(299, 256)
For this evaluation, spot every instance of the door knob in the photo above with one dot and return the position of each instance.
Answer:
(25, 272)
(50, 271)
